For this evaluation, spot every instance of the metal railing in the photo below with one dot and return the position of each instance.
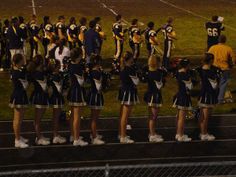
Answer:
(224, 169)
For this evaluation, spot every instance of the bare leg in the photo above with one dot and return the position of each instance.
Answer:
(180, 122)
(56, 115)
(121, 110)
(18, 116)
(152, 120)
(71, 122)
(39, 112)
(123, 122)
(203, 122)
(76, 124)
(94, 116)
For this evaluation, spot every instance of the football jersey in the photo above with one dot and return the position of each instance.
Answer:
(134, 30)
(47, 28)
(117, 30)
(24, 30)
(167, 30)
(213, 31)
(33, 29)
(60, 26)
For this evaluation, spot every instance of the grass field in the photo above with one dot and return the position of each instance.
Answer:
(190, 17)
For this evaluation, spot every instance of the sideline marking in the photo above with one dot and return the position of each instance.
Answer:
(192, 13)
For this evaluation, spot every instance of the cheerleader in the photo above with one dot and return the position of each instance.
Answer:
(182, 100)
(19, 99)
(76, 95)
(56, 98)
(95, 99)
(208, 95)
(127, 94)
(62, 52)
(39, 97)
(153, 96)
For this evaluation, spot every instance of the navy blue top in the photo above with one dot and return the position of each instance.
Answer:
(57, 77)
(38, 75)
(205, 75)
(97, 75)
(153, 76)
(181, 77)
(75, 69)
(126, 81)
(16, 75)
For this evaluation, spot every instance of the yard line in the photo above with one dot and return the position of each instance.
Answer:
(112, 11)
(192, 13)
(33, 7)
(115, 13)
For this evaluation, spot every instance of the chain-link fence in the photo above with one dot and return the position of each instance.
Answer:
(223, 169)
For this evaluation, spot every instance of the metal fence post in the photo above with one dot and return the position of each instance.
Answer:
(107, 170)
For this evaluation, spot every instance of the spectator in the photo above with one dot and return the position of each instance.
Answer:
(92, 41)
(223, 59)
(62, 52)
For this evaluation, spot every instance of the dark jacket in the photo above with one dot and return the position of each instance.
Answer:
(15, 38)
(92, 42)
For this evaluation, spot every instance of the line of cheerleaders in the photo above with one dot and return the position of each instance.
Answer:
(44, 77)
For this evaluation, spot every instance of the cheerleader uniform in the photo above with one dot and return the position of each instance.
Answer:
(95, 96)
(153, 96)
(56, 99)
(128, 92)
(19, 97)
(209, 88)
(76, 94)
(182, 100)
(39, 97)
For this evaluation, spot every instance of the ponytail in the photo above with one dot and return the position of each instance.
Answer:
(127, 56)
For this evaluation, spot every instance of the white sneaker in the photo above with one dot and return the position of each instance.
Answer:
(24, 139)
(72, 138)
(128, 127)
(207, 137)
(80, 142)
(59, 140)
(126, 140)
(155, 139)
(118, 137)
(20, 144)
(97, 136)
(42, 141)
(97, 141)
(183, 138)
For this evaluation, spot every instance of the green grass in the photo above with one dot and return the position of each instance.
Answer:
(190, 31)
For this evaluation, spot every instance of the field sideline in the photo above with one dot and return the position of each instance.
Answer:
(190, 17)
